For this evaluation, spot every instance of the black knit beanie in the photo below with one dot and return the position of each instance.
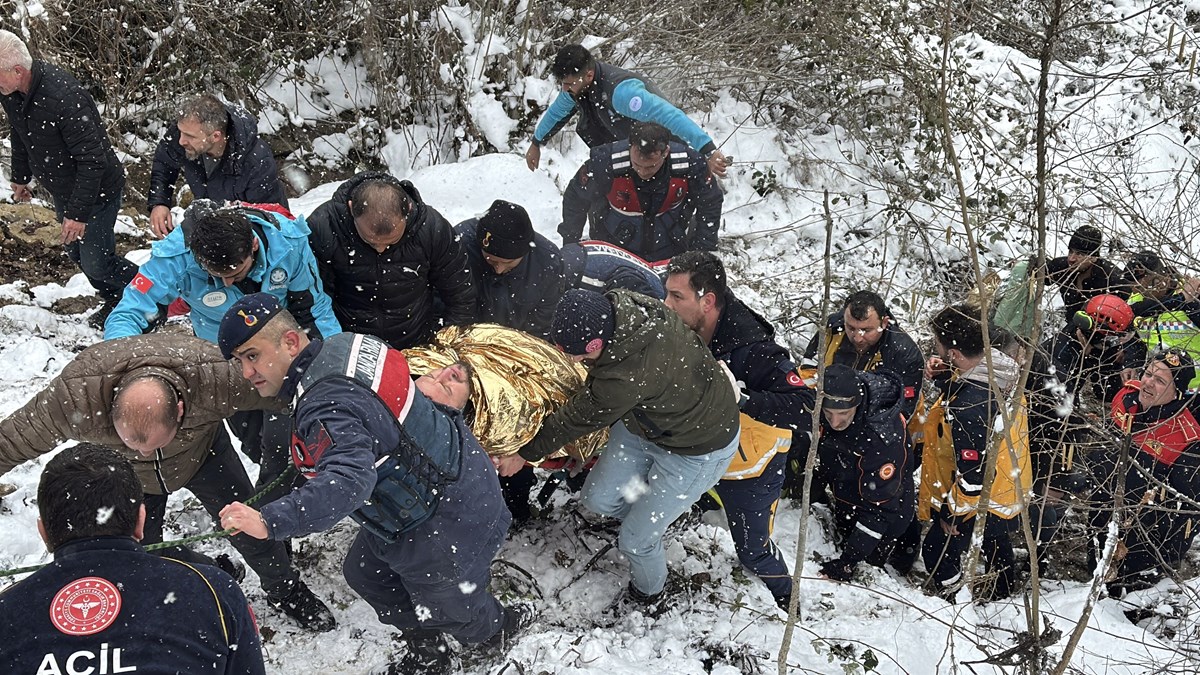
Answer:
(584, 322)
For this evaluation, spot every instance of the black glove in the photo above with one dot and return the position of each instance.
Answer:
(838, 569)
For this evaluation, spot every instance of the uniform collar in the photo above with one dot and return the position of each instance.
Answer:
(291, 382)
(82, 546)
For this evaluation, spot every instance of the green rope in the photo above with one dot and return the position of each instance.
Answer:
(216, 534)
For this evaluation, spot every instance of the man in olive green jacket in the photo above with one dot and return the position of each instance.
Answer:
(160, 400)
(673, 413)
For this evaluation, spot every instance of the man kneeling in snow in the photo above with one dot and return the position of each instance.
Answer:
(374, 447)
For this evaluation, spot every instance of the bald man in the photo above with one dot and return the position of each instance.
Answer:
(160, 401)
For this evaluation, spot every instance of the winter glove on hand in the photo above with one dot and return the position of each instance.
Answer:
(838, 569)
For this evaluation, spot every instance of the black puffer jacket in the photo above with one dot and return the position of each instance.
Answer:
(391, 295)
(246, 172)
(59, 138)
(523, 298)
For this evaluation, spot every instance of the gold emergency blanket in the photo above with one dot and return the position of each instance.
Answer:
(518, 380)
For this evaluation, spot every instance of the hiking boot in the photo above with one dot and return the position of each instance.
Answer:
(231, 567)
(305, 608)
(633, 600)
(427, 654)
(517, 617)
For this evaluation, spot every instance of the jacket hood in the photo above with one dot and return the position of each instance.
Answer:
(883, 388)
(739, 326)
(243, 130)
(1004, 369)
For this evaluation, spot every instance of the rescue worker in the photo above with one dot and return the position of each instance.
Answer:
(104, 605)
(219, 255)
(1162, 484)
(864, 336)
(375, 448)
(673, 414)
(518, 273)
(864, 449)
(1082, 274)
(773, 401)
(388, 259)
(955, 434)
(160, 400)
(647, 194)
(1165, 307)
(217, 148)
(609, 100)
(600, 266)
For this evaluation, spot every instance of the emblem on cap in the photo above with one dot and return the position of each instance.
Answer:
(1172, 358)
(595, 345)
(250, 319)
(487, 239)
(85, 606)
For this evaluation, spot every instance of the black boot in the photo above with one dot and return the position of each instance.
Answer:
(304, 607)
(427, 654)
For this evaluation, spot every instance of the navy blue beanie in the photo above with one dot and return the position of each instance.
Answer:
(583, 322)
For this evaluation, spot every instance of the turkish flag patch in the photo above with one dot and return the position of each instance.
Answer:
(970, 455)
(142, 283)
(910, 392)
(794, 379)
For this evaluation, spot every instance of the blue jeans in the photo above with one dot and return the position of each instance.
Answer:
(96, 252)
(647, 488)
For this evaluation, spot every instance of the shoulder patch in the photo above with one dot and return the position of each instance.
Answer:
(970, 455)
(887, 471)
(910, 392)
(635, 103)
(142, 283)
(793, 378)
(85, 606)
(278, 278)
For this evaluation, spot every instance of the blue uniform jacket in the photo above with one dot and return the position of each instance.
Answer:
(150, 615)
(284, 267)
(775, 393)
(351, 428)
(600, 266)
(623, 93)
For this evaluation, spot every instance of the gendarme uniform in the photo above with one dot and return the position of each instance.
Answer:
(375, 448)
(677, 210)
(105, 606)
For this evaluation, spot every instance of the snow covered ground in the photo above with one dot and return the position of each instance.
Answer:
(726, 622)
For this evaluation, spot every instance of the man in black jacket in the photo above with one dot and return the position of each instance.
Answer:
(518, 273)
(384, 255)
(864, 451)
(773, 401)
(106, 606)
(222, 157)
(1082, 274)
(647, 194)
(59, 138)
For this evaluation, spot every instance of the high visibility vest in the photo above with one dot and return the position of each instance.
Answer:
(758, 446)
(1170, 329)
(930, 431)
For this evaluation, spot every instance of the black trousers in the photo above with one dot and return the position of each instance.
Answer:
(221, 480)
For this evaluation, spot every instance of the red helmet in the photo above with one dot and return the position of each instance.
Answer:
(1110, 313)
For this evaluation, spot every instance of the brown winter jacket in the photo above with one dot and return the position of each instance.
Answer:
(76, 405)
(657, 377)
